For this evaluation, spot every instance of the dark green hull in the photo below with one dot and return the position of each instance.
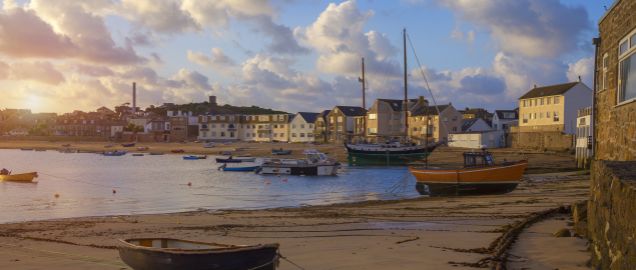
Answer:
(384, 159)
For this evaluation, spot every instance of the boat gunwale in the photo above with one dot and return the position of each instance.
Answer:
(225, 248)
(414, 170)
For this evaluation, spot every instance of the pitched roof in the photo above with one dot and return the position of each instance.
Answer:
(550, 90)
(467, 123)
(309, 116)
(430, 110)
(501, 114)
(396, 104)
(352, 110)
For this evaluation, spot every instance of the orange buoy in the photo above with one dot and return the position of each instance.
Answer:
(56, 195)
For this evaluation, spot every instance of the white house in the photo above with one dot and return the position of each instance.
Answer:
(475, 124)
(584, 137)
(477, 139)
(503, 119)
(302, 127)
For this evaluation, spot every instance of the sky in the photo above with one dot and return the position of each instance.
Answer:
(290, 55)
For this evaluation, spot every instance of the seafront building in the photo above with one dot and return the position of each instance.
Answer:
(553, 107)
(346, 123)
(434, 122)
(321, 127)
(385, 118)
(584, 137)
(611, 209)
(302, 127)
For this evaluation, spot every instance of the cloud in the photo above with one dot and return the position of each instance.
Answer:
(584, 67)
(164, 16)
(482, 85)
(283, 40)
(339, 38)
(43, 72)
(16, 42)
(532, 28)
(193, 79)
(86, 30)
(219, 12)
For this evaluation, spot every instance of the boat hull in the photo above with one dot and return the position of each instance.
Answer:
(22, 177)
(227, 160)
(240, 169)
(262, 257)
(469, 181)
(326, 170)
(387, 157)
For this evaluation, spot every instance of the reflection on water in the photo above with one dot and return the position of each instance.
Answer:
(94, 185)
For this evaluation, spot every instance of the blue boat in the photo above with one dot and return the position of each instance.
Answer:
(114, 153)
(234, 160)
(225, 168)
(194, 157)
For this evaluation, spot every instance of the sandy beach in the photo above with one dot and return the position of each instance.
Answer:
(423, 233)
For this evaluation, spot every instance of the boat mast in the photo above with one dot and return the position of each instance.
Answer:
(361, 80)
(405, 105)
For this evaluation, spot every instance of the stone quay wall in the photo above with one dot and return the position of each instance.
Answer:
(556, 141)
(611, 215)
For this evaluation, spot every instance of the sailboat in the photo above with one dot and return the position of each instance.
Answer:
(393, 152)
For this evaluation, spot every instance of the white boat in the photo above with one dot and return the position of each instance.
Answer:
(315, 163)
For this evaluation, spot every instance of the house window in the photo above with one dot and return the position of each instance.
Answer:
(541, 101)
(627, 68)
(373, 116)
(603, 82)
(549, 100)
(309, 135)
(556, 117)
(372, 130)
(557, 100)
(302, 135)
(293, 126)
(547, 115)
(340, 119)
(275, 135)
(302, 126)
(282, 135)
(525, 103)
(222, 134)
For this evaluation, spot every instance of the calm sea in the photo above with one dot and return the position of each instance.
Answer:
(159, 184)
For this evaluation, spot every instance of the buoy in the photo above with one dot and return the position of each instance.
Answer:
(56, 195)
(189, 184)
(114, 191)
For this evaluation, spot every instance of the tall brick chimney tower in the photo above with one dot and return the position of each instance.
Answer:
(134, 98)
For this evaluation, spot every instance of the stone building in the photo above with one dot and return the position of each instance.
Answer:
(385, 118)
(612, 205)
(343, 124)
(427, 123)
(321, 128)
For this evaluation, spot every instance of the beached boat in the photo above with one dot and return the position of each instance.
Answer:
(394, 153)
(20, 177)
(26, 149)
(315, 163)
(208, 145)
(480, 175)
(142, 148)
(225, 168)
(194, 157)
(128, 144)
(234, 160)
(116, 153)
(66, 145)
(137, 155)
(156, 153)
(281, 152)
(169, 254)
(177, 151)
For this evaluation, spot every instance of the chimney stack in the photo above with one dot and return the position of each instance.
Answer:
(134, 98)
(212, 100)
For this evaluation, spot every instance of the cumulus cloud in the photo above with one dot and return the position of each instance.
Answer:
(338, 36)
(584, 68)
(218, 59)
(163, 16)
(532, 28)
(86, 30)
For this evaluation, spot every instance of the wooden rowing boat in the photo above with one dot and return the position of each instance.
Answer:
(480, 175)
(21, 177)
(169, 254)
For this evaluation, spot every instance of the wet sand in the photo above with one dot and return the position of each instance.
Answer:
(423, 233)
(539, 162)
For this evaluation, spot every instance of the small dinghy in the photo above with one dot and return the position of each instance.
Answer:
(20, 177)
(137, 155)
(234, 160)
(114, 153)
(177, 151)
(169, 254)
(225, 168)
(281, 152)
(156, 153)
(128, 144)
(194, 157)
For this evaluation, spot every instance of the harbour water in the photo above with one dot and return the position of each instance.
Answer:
(94, 185)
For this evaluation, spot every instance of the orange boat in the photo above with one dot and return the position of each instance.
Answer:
(21, 177)
(480, 175)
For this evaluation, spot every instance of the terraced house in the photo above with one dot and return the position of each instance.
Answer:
(385, 119)
(321, 127)
(553, 107)
(224, 127)
(346, 123)
(302, 127)
(434, 122)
